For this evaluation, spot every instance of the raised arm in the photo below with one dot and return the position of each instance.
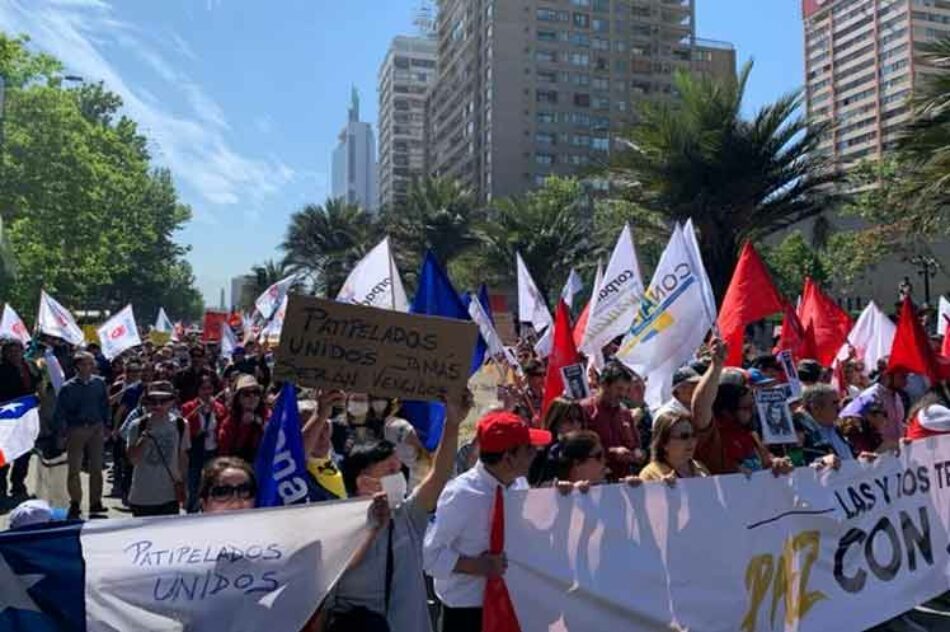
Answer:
(444, 461)
(318, 422)
(705, 393)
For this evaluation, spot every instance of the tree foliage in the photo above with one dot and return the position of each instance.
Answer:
(324, 242)
(87, 218)
(737, 178)
(791, 260)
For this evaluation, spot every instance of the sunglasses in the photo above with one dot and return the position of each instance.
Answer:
(221, 493)
(158, 401)
(251, 393)
(682, 436)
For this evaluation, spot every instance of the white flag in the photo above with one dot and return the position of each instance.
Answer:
(531, 306)
(709, 299)
(572, 286)
(871, 337)
(496, 347)
(55, 320)
(375, 281)
(11, 326)
(672, 320)
(54, 370)
(119, 333)
(614, 304)
(943, 316)
(271, 332)
(228, 341)
(162, 322)
(268, 302)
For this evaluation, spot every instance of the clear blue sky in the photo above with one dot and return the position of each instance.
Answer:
(243, 99)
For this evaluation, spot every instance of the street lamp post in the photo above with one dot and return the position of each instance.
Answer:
(927, 268)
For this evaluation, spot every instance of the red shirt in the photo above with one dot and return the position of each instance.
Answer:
(236, 438)
(189, 411)
(725, 446)
(615, 427)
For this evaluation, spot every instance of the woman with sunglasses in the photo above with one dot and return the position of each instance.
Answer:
(672, 450)
(239, 434)
(563, 417)
(227, 484)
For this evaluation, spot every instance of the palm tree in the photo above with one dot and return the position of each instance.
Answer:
(737, 178)
(325, 242)
(925, 144)
(550, 227)
(438, 215)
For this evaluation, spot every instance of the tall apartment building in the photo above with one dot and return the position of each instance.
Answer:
(406, 74)
(530, 88)
(353, 167)
(861, 68)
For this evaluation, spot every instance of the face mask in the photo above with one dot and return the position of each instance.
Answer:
(379, 406)
(357, 409)
(395, 487)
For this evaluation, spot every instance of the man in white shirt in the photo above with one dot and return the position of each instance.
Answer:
(456, 549)
(685, 380)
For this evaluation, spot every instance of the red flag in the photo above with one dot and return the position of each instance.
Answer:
(911, 350)
(563, 353)
(211, 328)
(751, 296)
(498, 613)
(581, 325)
(830, 324)
(795, 337)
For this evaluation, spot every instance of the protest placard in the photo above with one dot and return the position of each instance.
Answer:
(326, 344)
(791, 373)
(775, 415)
(575, 381)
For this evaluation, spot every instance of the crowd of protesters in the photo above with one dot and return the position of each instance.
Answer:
(182, 426)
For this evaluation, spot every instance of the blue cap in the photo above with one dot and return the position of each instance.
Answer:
(758, 378)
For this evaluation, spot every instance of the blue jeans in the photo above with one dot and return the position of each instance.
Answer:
(198, 457)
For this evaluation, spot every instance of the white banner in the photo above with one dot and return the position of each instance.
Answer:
(119, 333)
(271, 332)
(228, 340)
(810, 552)
(614, 304)
(55, 320)
(11, 325)
(375, 281)
(269, 301)
(672, 319)
(266, 569)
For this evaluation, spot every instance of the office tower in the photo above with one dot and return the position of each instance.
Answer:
(407, 73)
(529, 88)
(353, 175)
(860, 68)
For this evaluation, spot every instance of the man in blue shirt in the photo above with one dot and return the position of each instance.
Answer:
(822, 405)
(82, 412)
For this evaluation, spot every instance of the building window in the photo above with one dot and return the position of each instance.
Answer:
(580, 59)
(581, 39)
(546, 15)
(581, 3)
(601, 103)
(600, 25)
(544, 159)
(582, 20)
(580, 140)
(599, 43)
(601, 83)
(547, 76)
(546, 117)
(547, 36)
(581, 100)
(546, 96)
(545, 56)
(545, 138)
(599, 143)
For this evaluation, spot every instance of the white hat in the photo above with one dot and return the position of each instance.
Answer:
(34, 511)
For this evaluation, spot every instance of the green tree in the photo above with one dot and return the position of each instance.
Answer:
(790, 261)
(551, 227)
(925, 144)
(325, 242)
(737, 178)
(439, 214)
(86, 216)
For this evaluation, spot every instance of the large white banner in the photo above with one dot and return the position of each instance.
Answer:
(812, 551)
(266, 569)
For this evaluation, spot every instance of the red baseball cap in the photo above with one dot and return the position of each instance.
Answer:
(502, 430)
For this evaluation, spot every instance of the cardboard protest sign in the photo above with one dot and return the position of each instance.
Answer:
(775, 415)
(211, 326)
(791, 373)
(575, 381)
(326, 344)
(159, 338)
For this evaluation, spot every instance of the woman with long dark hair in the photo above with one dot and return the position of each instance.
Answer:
(239, 434)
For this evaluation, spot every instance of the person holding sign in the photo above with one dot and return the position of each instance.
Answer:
(672, 450)
(722, 419)
(400, 594)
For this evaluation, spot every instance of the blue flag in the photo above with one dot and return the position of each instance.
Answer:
(435, 297)
(281, 466)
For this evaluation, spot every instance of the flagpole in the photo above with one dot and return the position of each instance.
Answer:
(392, 275)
